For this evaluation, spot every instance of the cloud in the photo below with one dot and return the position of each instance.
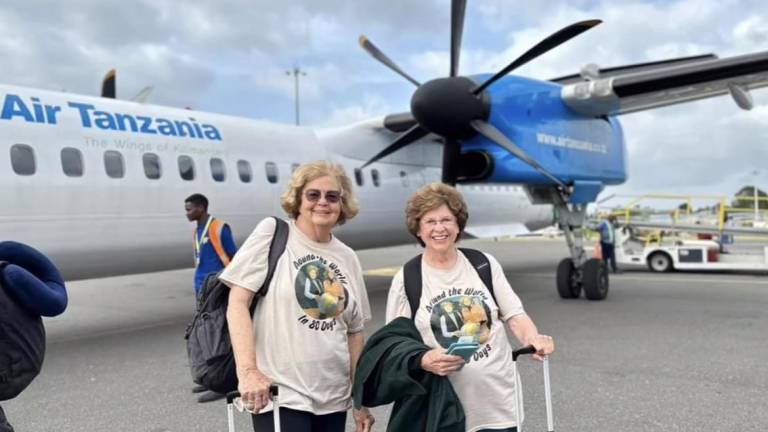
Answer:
(230, 56)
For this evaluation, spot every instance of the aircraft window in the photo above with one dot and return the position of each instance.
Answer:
(272, 174)
(244, 169)
(359, 176)
(186, 167)
(375, 177)
(152, 168)
(404, 178)
(113, 164)
(271, 168)
(23, 159)
(217, 169)
(72, 162)
(294, 166)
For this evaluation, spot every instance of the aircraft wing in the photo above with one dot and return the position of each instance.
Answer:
(594, 70)
(502, 230)
(668, 84)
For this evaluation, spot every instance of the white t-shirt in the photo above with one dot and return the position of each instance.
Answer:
(316, 298)
(456, 304)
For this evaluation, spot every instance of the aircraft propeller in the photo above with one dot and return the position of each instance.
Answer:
(456, 107)
(108, 89)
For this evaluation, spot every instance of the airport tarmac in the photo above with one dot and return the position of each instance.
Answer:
(672, 352)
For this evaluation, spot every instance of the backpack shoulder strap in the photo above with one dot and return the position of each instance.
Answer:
(483, 267)
(412, 282)
(276, 249)
(214, 233)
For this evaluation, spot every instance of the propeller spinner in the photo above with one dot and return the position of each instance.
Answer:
(457, 108)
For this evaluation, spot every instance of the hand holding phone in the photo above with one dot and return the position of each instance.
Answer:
(463, 350)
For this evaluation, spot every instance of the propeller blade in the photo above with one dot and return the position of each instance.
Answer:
(457, 28)
(108, 85)
(403, 140)
(547, 44)
(489, 131)
(380, 56)
(451, 153)
(142, 96)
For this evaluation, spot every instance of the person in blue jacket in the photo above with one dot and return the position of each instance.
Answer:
(30, 287)
(213, 248)
(212, 241)
(608, 242)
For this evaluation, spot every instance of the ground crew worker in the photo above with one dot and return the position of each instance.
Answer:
(608, 242)
(213, 248)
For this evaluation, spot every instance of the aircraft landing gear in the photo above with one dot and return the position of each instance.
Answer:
(595, 279)
(577, 272)
(568, 283)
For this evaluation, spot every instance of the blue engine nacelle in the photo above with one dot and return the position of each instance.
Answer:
(572, 147)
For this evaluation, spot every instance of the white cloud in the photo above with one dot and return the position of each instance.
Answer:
(230, 56)
(371, 106)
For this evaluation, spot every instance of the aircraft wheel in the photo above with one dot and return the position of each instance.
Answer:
(595, 279)
(568, 285)
(660, 262)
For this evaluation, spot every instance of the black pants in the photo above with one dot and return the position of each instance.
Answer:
(608, 255)
(300, 421)
(4, 425)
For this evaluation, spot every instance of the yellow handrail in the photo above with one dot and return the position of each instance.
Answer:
(722, 200)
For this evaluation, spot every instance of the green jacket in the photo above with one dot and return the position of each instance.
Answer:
(389, 370)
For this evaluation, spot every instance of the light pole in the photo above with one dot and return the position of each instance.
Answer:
(296, 72)
(754, 192)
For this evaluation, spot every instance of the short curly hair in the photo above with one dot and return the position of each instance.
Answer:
(291, 198)
(431, 197)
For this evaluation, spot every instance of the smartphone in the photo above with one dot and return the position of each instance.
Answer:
(463, 350)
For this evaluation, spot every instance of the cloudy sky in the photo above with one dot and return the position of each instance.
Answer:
(231, 57)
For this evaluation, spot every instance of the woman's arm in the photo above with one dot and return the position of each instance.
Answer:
(363, 418)
(253, 385)
(356, 342)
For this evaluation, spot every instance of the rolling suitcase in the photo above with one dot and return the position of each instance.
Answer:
(518, 392)
(233, 398)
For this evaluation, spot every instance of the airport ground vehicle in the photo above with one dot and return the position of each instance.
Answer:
(662, 255)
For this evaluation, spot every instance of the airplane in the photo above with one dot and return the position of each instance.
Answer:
(98, 184)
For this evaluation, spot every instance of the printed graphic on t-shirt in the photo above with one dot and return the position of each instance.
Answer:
(460, 318)
(320, 288)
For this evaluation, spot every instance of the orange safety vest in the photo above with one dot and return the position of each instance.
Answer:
(214, 233)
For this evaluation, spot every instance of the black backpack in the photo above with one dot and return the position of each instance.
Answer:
(412, 276)
(209, 348)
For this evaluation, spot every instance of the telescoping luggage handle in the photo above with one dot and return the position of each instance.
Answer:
(273, 393)
(530, 349)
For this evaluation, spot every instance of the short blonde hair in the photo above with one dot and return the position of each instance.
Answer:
(291, 198)
(431, 197)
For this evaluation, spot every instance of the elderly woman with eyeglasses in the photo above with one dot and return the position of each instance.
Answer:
(306, 333)
(457, 311)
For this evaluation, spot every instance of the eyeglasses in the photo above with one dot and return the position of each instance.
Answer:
(432, 223)
(314, 195)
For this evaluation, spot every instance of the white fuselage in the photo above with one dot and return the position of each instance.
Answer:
(95, 225)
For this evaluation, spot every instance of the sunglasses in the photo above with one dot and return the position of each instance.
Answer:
(314, 195)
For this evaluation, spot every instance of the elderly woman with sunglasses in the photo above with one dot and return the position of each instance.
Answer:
(456, 308)
(307, 344)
